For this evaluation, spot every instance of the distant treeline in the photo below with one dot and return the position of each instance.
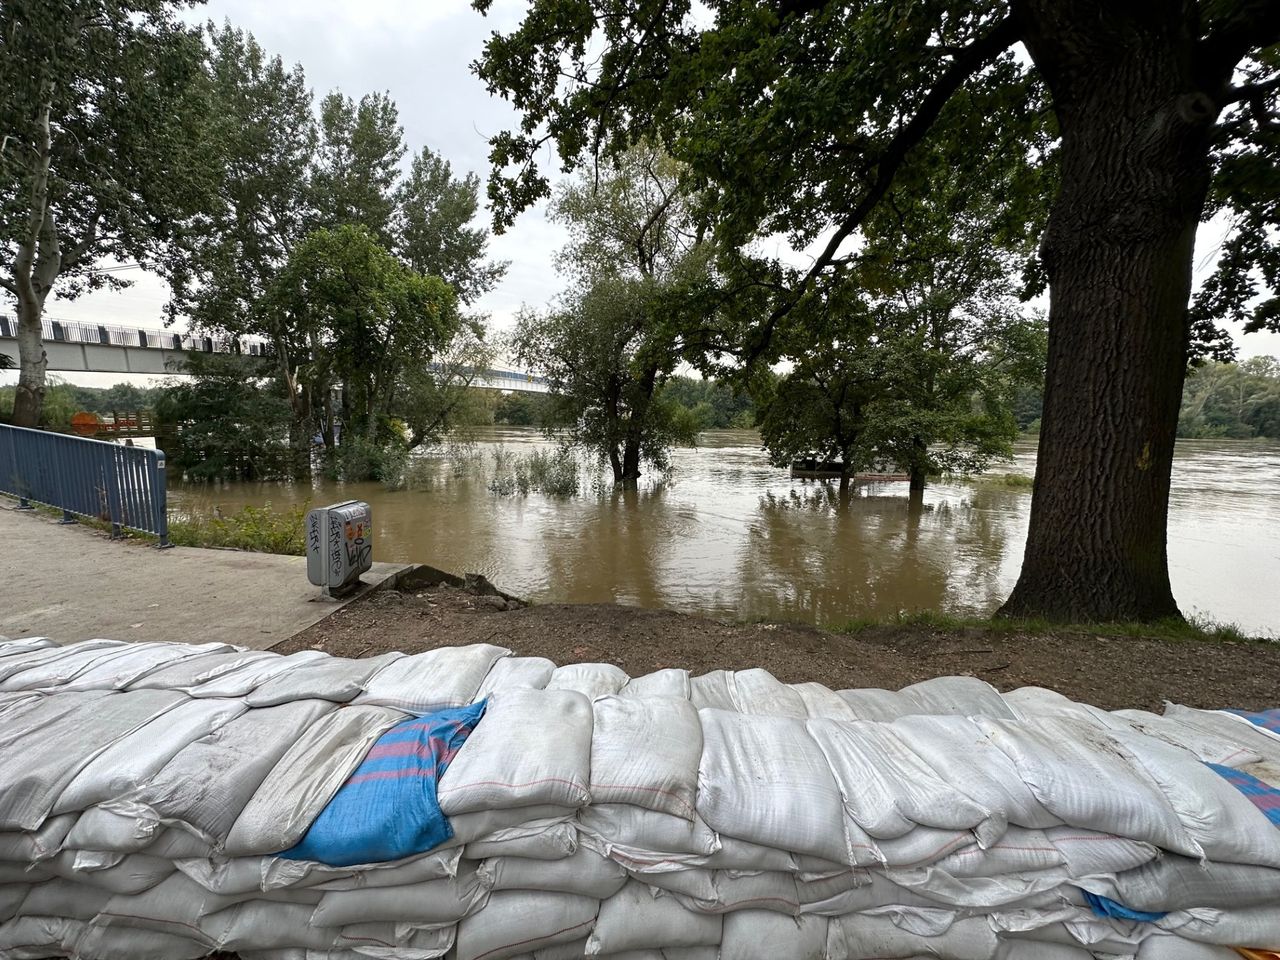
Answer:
(704, 404)
(62, 400)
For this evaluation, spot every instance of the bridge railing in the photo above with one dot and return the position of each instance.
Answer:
(88, 478)
(113, 335)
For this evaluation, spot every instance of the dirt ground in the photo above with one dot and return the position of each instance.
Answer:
(1110, 672)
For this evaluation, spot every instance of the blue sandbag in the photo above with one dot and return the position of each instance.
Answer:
(1106, 907)
(387, 809)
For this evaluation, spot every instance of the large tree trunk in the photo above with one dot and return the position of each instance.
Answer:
(631, 460)
(1117, 253)
(28, 401)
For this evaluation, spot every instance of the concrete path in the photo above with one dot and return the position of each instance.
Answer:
(72, 583)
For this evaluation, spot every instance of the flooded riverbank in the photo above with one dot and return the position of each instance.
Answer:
(725, 534)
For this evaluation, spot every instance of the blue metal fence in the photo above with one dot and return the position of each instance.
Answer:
(89, 478)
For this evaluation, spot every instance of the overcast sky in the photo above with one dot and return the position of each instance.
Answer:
(420, 52)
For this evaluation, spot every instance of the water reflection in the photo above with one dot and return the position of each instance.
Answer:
(728, 535)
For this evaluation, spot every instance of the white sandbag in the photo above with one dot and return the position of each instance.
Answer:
(765, 780)
(1229, 726)
(32, 714)
(820, 701)
(586, 873)
(1206, 746)
(1221, 820)
(888, 790)
(1087, 853)
(978, 894)
(49, 671)
(965, 757)
(921, 847)
(865, 935)
(259, 925)
(532, 747)
(1180, 883)
(100, 829)
(1019, 851)
(433, 902)
(362, 940)
(134, 662)
(557, 841)
(1082, 776)
(137, 757)
(589, 679)
(532, 673)
(23, 646)
(645, 751)
(22, 873)
(669, 682)
(635, 919)
(433, 680)
(645, 840)
(36, 769)
(735, 890)
(759, 693)
(1176, 948)
(249, 676)
(521, 921)
(12, 896)
(735, 854)
(872, 703)
(329, 678)
(194, 670)
(64, 897)
(711, 691)
(134, 874)
(112, 943)
(34, 938)
(879, 891)
(306, 778)
(765, 935)
(510, 824)
(963, 696)
(251, 874)
(237, 757)
(1247, 926)
(177, 843)
(33, 847)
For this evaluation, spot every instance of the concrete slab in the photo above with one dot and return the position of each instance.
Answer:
(72, 583)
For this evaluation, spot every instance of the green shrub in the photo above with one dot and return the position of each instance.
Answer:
(260, 529)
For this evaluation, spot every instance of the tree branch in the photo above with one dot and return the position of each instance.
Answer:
(1252, 25)
(968, 62)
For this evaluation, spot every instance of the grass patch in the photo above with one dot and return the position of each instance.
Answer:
(260, 529)
(1193, 628)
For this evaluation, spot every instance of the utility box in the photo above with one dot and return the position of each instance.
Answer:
(339, 546)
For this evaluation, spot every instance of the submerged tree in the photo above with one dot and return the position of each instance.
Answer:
(800, 116)
(102, 110)
(633, 262)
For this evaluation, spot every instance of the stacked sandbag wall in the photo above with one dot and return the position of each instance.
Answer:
(148, 792)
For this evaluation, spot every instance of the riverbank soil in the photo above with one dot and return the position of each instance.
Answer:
(1110, 672)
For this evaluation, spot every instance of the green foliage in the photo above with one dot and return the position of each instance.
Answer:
(61, 402)
(517, 409)
(713, 404)
(357, 165)
(635, 267)
(555, 473)
(230, 418)
(367, 317)
(260, 529)
(1232, 401)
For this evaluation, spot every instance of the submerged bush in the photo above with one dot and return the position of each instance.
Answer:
(554, 473)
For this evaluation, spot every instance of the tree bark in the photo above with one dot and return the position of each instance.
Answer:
(1117, 253)
(630, 460)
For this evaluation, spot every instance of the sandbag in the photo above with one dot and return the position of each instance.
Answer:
(237, 756)
(306, 778)
(533, 747)
(668, 682)
(432, 902)
(635, 919)
(585, 873)
(36, 769)
(435, 680)
(33, 847)
(557, 840)
(645, 840)
(759, 693)
(387, 808)
(503, 825)
(41, 672)
(530, 672)
(521, 921)
(328, 678)
(873, 703)
(134, 662)
(192, 671)
(711, 691)
(823, 702)
(645, 751)
(867, 935)
(242, 680)
(961, 696)
(589, 679)
(765, 935)
(138, 756)
(765, 780)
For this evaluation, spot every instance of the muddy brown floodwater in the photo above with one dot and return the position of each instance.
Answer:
(727, 535)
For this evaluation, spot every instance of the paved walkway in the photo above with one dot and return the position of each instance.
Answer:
(72, 583)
